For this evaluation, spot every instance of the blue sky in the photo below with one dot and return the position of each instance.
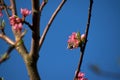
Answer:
(56, 61)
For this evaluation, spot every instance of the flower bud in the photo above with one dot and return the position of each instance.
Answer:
(25, 12)
(83, 37)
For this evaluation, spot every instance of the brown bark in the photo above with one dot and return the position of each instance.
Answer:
(35, 28)
(31, 64)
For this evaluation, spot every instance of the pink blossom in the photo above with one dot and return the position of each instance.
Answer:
(12, 20)
(18, 27)
(16, 23)
(73, 41)
(80, 76)
(25, 12)
(18, 20)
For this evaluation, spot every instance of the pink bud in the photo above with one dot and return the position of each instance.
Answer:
(16, 23)
(20, 26)
(80, 76)
(25, 12)
(15, 27)
(18, 20)
(83, 37)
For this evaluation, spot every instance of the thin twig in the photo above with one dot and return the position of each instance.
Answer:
(13, 7)
(11, 47)
(3, 32)
(84, 45)
(5, 7)
(44, 2)
(27, 23)
(7, 39)
(6, 55)
(50, 22)
(2, 26)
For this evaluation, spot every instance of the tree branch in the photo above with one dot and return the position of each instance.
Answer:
(18, 36)
(5, 7)
(2, 30)
(11, 47)
(35, 28)
(32, 58)
(50, 22)
(8, 40)
(6, 55)
(44, 2)
(27, 23)
(84, 45)
(13, 7)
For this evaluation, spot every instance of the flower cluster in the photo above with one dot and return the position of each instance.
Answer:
(80, 76)
(16, 23)
(75, 40)
(25, 12)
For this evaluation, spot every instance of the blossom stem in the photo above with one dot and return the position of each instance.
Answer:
(82, 48)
